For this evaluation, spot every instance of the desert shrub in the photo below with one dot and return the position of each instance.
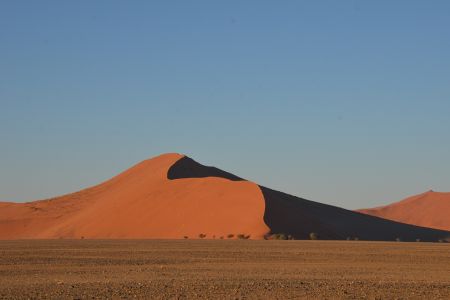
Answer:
(417, 240)
(356, 238)
(230, 236)
(202, 235)
(221, 237)
(348, 238)
(290, 237)
(185, 237)
(442, 241)
(280, 236)
(242, 236)
(214, 236)
(313, 236)
(398, 239)
(276, 236)
(82, 237)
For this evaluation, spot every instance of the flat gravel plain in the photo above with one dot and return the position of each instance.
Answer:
(223, 269)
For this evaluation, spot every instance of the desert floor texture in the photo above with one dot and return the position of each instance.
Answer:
(223, 269)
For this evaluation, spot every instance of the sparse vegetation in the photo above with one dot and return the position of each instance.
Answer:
(356, 238)
(202, 235)
(276, 236)
(417, 240)
(185, 237)
(230, 236)
(221, 237)
(349, 238)
(242, 236)
(398, 239)
(313, 236)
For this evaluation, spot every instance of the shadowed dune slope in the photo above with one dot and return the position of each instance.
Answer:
(143, 203)
(172, 196)
(299, 217)
(430, 209)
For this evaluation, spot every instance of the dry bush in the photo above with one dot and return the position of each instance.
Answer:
(313, 236)
(242, 236)
(202, 235)
(276, 236)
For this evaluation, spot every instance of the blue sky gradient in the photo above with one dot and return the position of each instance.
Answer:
(341, 102)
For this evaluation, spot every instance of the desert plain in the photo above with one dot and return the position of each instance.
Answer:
(223, 269)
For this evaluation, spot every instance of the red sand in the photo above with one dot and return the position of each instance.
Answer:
(142, 203)
(430, 209)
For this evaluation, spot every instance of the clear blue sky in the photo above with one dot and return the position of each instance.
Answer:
(342, 102)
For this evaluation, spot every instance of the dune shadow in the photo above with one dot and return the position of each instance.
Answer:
(189, 168)
(299, 217)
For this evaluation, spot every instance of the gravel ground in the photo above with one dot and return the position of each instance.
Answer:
(223, 269)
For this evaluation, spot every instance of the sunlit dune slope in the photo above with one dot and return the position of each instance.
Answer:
(143, 203)
(430, 209)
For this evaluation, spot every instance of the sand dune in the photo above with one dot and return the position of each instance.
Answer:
(172, 196)
(143, 203)
(430, 209)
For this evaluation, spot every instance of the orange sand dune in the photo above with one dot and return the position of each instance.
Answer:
(172, 196)
(430, 209)
(142, 203)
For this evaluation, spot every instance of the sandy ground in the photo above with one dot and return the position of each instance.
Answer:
(230, 269)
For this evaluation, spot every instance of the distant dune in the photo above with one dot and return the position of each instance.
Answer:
(172, 196)
(430, 209)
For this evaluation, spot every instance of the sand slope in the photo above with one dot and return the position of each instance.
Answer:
(299, 217)
(142, 203)
(172, 196)
(430, 209)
